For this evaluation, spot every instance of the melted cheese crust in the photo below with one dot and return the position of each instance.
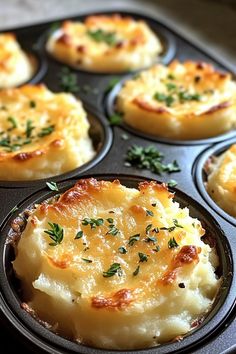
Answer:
(135, 45)
(173, 288)
(204, 101)
(15, 66)
(221, 182)
(42, 134)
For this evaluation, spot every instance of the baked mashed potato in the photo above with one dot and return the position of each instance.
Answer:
(42, 134)
(105, 44)
(115, 267)
(181, 101)
(16, 67)
(221, 181)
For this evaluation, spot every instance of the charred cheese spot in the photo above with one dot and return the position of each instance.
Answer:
(117, 285)
(105, 44)
(179, 101)
(42, 134)
(221, 181)
(15, 66)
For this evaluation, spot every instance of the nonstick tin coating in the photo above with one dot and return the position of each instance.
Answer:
(222, 327)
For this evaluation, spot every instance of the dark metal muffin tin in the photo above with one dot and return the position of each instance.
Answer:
(217, 333)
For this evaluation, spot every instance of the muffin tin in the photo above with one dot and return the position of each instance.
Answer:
(217, 333)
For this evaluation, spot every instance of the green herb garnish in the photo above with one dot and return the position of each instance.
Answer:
(46, 131)
(115, 119)
(13, 122)
(176, 223)
(133, 239)
(32, 104)
(68, 80)
(103, 36)
(161, 97)
(142, 257)
(79, 235)
(56, 233)
(148, 228)
(172, 243)
(172, 183)
(92, 222)
(29, 128)
(151, 239)
(122, 250)
(149, 213)
(113, 230)
(149, 158)
(114, 268)
(156, 249)
(86, 260)
(136, 271)
(53, 186)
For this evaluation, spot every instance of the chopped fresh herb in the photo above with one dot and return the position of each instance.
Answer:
(13, 122)
(149, 158)
(156, 230)
(154, 204)
(142, 257)
(115, 119)
(151, 239)
(79, 235)
(111, 212)
(124, 136)
(122, 250)
(92, 222)
(172, 183)
(53, 186)
(113, 230)
(103, 36)
(170, 86)
(136, 271)
(193, 224)
(148, 228)
(46, 131)
(167, 99)
(32, 104)
(29, 128)
(110, 220)
(56, 233)
(149, 213)
(114, 268)
(171, 77)
(176, 223)
(172, 167)
(185, 96)
(15, 208)
(169, 229)
(172, 243)
(68, 80)
(86, 260)
(112, 83)
(133, 239)
(86, 249)
(156, 249)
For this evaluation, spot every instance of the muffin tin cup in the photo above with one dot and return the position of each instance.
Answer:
(217, 333)
(32, 330)
(110, 100)
(101, 136)
(201, 177)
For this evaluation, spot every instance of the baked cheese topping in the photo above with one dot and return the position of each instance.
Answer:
(42, 134)
(105, 44)
(15, 66)
(221, 181)
(116, 267)
(181, 101)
